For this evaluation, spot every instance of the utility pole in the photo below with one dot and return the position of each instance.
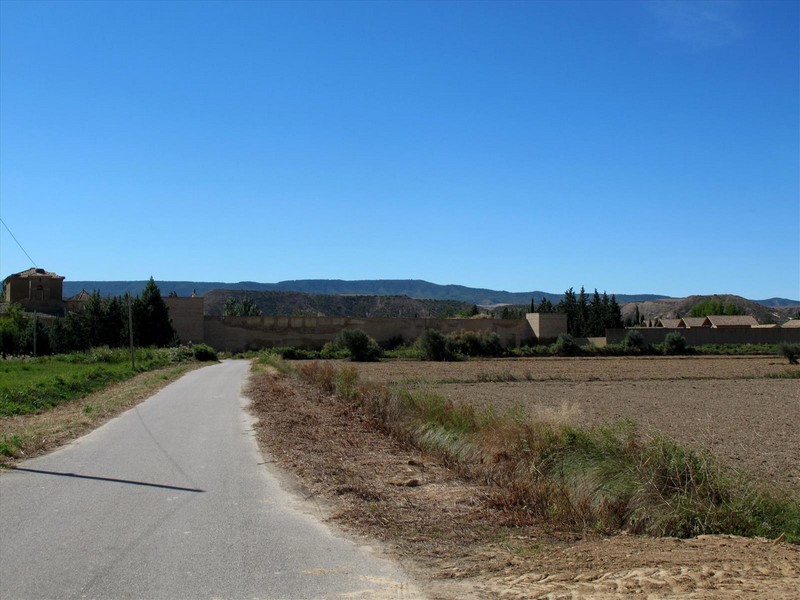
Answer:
(35, 323)
(130, 332)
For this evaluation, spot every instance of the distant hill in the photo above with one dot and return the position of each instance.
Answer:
(650, 305)
(671, 308)
(330, 305)
(413, 288)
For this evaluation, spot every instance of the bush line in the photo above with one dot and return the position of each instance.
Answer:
(435, 346)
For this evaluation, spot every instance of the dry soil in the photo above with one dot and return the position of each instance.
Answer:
(453, 535)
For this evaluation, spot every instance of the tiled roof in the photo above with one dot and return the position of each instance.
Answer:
(34, 272)
(82, 296)
(671, 323)
(792, 324)
(732, 320)
(695, 321)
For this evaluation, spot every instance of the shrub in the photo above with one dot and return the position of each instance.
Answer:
(674, 343)
(362, 348)
(633, 342)
(471, 343)
(393, 342)
(331, 351)
(411, 351)
(292, 353)
(433, 345)
(791, 352)
(535, 350)
(565, 345)
(204, 352)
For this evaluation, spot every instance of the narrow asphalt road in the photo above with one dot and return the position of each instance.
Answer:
(170, 500)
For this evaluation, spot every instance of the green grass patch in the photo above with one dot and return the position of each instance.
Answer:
(34, 385)
(793, 374)
(276, 361)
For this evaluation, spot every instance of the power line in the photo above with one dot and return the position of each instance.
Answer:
(18, 244)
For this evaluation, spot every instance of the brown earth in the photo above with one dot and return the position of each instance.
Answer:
(576, 369)
(712, 403)
(454, 536)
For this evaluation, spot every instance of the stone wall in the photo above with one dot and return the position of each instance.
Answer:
(251, 333)
(547, 326)
(696, 336)
(187, 318)
(237, 334)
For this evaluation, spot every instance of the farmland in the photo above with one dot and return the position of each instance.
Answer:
(731, 406)
(460, 532)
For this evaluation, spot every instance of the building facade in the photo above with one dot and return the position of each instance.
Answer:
(35, 290)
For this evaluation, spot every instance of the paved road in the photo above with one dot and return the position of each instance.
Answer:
(169, 501)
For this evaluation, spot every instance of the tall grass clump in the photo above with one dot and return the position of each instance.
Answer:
(276, 361)
(585, 478)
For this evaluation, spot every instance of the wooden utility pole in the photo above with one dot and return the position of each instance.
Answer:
(130, 332)
(35, 323)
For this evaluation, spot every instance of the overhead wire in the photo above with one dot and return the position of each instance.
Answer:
(18, 244)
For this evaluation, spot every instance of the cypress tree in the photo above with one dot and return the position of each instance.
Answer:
(151, 323)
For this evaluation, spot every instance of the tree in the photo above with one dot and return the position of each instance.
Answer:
(715, 307)
(597, 315)
(615, 314)
(241, 308)
(569, 305)
(583, 315)
(151, 323)
(545, 306)
(11, 327)
(114, 331)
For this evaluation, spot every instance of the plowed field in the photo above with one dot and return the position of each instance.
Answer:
(460, 543)
(723, 404)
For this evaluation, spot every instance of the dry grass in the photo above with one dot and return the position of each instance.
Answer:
(32, 435)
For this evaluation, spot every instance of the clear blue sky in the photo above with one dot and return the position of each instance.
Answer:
(629, 146)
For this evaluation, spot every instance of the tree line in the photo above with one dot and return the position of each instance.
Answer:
(100, 322)
(585, 317)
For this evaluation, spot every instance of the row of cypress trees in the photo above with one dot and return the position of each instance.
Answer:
(585, 317)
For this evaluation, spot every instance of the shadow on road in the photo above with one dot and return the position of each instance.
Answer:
(111, 479)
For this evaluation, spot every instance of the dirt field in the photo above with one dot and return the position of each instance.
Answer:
(459, 542)
(576, 369)
(722, 404)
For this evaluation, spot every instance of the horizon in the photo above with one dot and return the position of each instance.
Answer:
(506, 146)
(576, 289)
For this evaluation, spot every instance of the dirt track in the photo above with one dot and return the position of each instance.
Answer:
(451, 534)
